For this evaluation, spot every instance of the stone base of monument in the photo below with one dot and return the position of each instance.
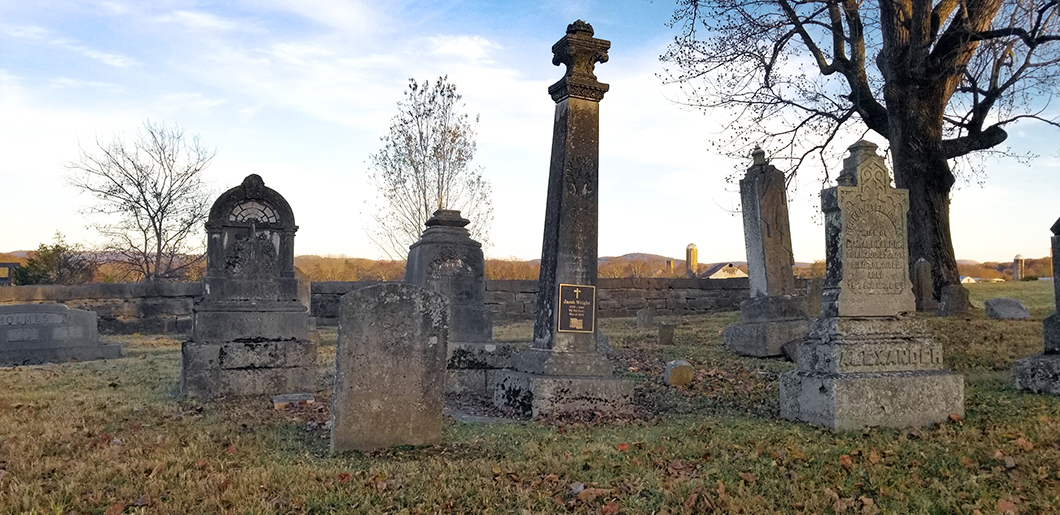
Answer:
(856, 400)
(871, 371)
(37, 356)
(536, 395)
(472, 367)
(767, 324)
(1039, 373)
(251, 367)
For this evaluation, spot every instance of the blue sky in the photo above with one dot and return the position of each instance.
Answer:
(299, 92)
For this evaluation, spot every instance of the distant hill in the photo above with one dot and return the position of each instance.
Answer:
(636, 256)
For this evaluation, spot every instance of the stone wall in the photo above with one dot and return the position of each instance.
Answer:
(123, 308)
(126, 308)
(517, 300)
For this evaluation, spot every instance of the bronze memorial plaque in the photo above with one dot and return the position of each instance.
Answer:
(577, 308)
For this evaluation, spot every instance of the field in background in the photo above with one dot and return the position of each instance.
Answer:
(111, 437)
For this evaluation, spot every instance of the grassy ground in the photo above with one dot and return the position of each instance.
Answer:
(111, 437)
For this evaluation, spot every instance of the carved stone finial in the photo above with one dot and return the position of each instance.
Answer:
(580, 51)
(447, 218)
(253, 186)
(860, 152)
(758, 156)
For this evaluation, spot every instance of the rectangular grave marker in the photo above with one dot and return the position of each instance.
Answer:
(43, 333)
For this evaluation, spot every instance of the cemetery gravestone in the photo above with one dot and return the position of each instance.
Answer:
(1005, 309)
(924, 286)
(1041, 372)
(250, 330)
(774, 315)
(389, 368)
(953, 301)
(563, 371)
(666, 334)
(50, 333)
(645, 318)
(678, 373)
(446, 260)
(863, 362)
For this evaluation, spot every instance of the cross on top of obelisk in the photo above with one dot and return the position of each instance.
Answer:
(580, 51)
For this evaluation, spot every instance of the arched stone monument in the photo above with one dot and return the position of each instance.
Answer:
(249, 332)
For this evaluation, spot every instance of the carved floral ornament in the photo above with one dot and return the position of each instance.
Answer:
(580, 52)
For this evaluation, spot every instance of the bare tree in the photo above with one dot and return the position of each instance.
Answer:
(940, 80)
(152, 201)
(425, 165)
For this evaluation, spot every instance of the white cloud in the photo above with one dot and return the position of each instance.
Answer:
(462, 47)
(42, 35)
(205, 21)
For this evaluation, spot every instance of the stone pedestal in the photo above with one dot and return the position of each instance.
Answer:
(250, 331)
(563, 371)
(1041, 373)
(445, 259)
(864, 363)
(773, 317)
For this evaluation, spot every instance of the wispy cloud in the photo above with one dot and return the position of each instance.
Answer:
(462, 46)
(69, 83)
(41, 35)
(206, 21)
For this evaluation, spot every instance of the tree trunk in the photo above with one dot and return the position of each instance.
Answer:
(915, 127)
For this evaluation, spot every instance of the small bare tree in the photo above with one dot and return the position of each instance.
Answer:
(152, 201)
(424, 166)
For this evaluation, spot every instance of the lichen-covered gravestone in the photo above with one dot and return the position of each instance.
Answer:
(250, 330)
(774, 315)
(50, 333)
(1006, 309)
(563, 370)
(864, 362)
(1041, 372)
(446, 260)
(389, 368)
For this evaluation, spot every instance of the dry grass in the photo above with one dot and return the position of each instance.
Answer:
(110, 437)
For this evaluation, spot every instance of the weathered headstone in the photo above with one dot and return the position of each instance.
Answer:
(1041, 372)
(446, 260)
(250, 330)
(1005, 309)
(953, 301)
(645, 318)
(864, 363)
(678, 373)
(666, 334)
(389, 368)
(691, 261)
(562, 371)
(924, 286)
(50, 333)
(774, 315)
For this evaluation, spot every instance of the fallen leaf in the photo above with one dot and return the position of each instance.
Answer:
(691, 501)
(1006, 507)
(202, 465)
(3, 473)
(955, 417)
(141, 501)
(998, 455)
(118, 508)
(231, 449)
(967, 462)
(749, 477)
(846, 462)
(1010, 463)
(609, 509)
(623, 446)
(497, 471)
(590, 494)
(224, 485)
(874, 458)
(1023, 444)
(344, 478)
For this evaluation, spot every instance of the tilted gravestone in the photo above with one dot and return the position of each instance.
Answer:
(1005, 309)
(50, 333)
(446, 260)
(864, 363)
(953, 301)
(250, 330)
(645, 318)
(563, 371)
(924, 286)
(389, 368)
(1041, 372)
(774, 315)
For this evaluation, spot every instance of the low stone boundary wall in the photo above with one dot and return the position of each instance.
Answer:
(126, 308)
(123, 308)
(517, 300)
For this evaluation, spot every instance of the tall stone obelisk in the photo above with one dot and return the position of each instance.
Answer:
(563, 371)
